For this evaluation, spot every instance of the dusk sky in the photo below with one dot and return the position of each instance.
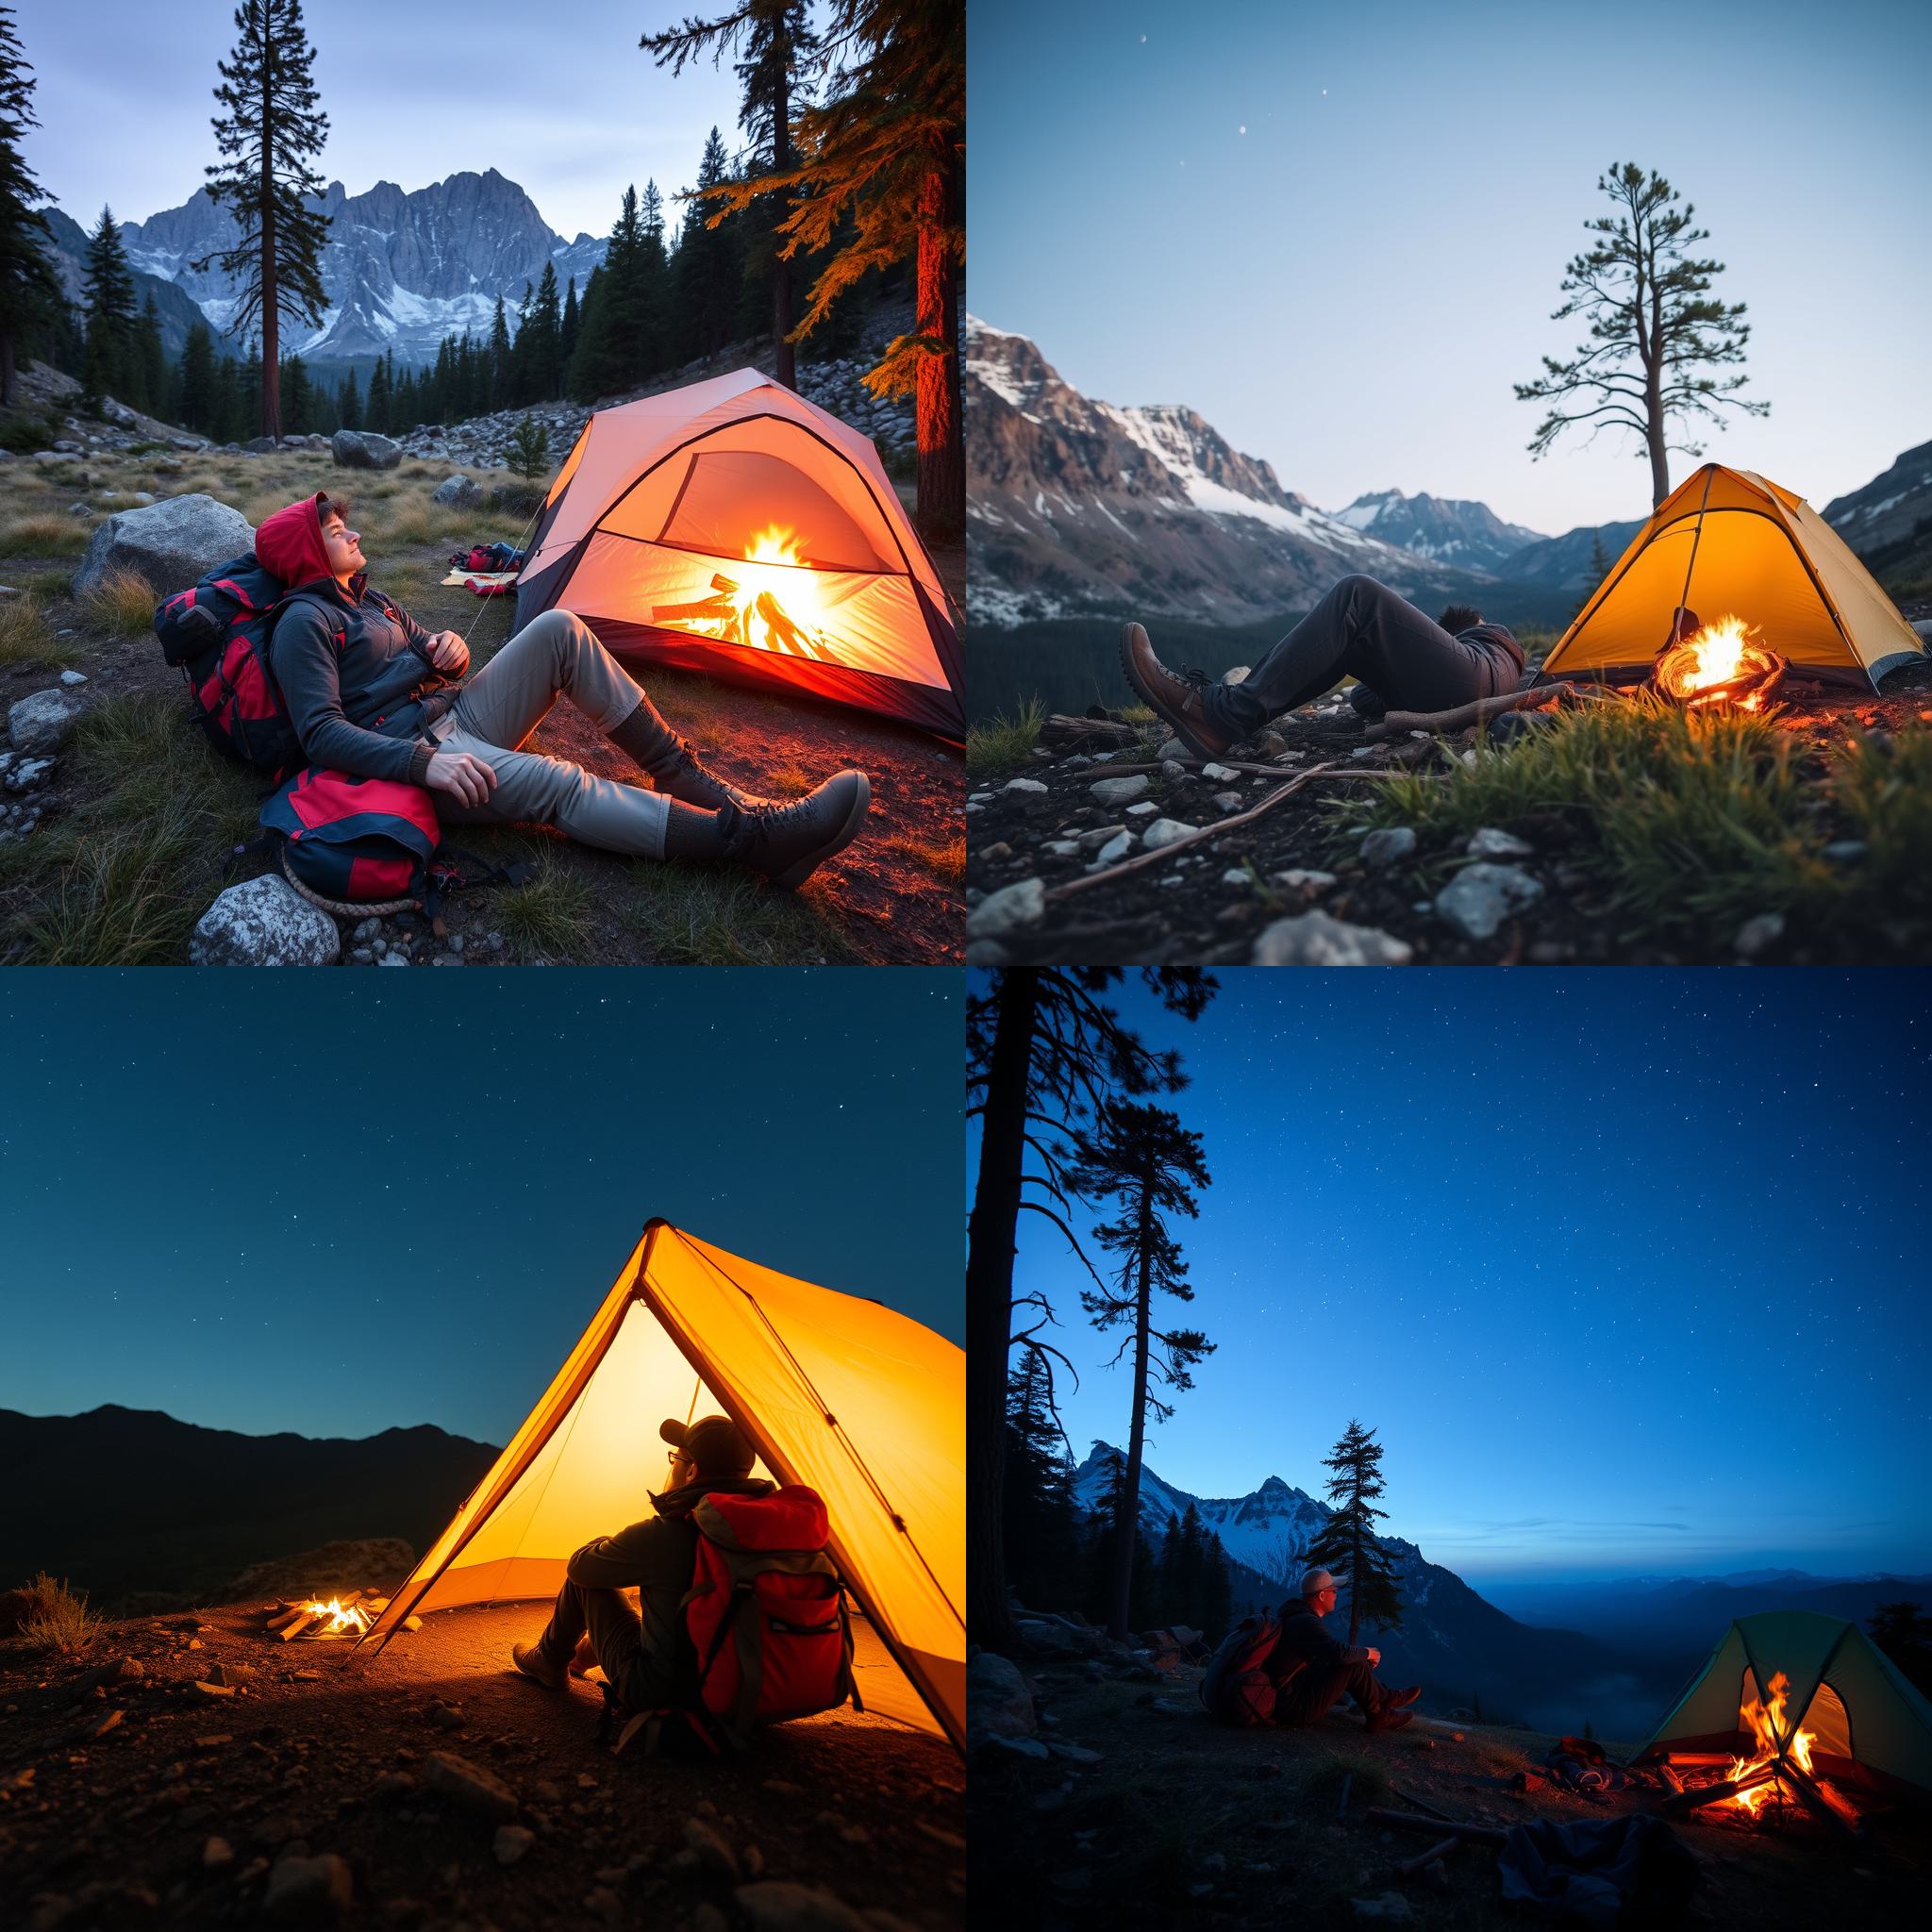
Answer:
(560, 100)
(1626, 1268)
(300, 1201)
(1339, 232)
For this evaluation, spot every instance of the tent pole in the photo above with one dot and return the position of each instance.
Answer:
(1696, 538)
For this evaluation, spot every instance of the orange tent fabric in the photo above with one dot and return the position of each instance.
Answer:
(733, 527)
(861, 1403)
(1730, 542)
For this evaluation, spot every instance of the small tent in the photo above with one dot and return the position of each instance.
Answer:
(732, 528)
(859, 1403)
(1729, 543)
(1870, 1726)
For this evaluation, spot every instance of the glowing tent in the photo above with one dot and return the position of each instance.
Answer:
(1868, 1728)
(1729, 543)
(862, 1405)
(732, 528)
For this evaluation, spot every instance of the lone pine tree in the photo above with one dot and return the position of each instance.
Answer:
(1348, 1539)
(1142, 1158)
(108, 362)
(268, 130)
(1655, 332)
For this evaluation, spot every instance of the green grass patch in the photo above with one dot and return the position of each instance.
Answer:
(46, 536)
(54, 1618)
(943, 858)
(120, 603)
(27, 638)
(706, 916)
(549, 916)
(998, 743)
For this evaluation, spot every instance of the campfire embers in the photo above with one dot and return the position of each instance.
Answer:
(1778, 1770)
(311, 1619)
(771, 602)
(1718, 666)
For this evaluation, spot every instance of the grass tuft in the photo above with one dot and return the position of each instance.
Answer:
(25, 636)
(122, 603)
(1000, 743)
(550, 916)
(943, 858)
(45, 535)
(54, 1618)
(712, 916)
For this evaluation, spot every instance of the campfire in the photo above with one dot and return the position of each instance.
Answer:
(769, 603)
(1778, 1768)
(1720, 665)
(312, 1620)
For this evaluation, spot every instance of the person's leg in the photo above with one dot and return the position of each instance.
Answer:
(533, 788)
(614, 1634)
(1310, 1693)
(567, 1623)
(1361, 628)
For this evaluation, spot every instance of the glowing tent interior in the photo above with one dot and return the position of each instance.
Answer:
(1868, 1726)
(1731, 542)
(732, 528)
(861, 1403)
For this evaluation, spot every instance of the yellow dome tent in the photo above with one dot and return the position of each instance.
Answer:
(859, 1403)
(1729, 543)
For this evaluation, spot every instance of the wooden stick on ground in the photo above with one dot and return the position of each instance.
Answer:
(1422, 1804)
(1461, 716)
(1143, 861)
(1670, 1777)
(1410, 1820)
(1409, 1867)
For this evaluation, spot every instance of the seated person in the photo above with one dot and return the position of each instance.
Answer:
(647, 1658)
(374, 695)
(1362, 628)
(1327, 1666)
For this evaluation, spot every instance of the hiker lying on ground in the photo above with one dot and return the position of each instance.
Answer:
(374, 695)
(648, 1658)
(1312, 1669)
(1404, 662)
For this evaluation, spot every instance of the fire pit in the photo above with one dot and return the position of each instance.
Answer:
(314, 1619)
(769, 603)
(1718, 666)
(1778, 1771)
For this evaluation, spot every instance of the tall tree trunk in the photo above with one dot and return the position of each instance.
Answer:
(936, 397)
(786, 357)
(1654, 397)
(1125, 1532)
(992, 1242)
(271, 319)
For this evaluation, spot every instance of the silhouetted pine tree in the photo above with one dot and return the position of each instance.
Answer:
(195, 382)
(1142, 1158)
(538, 356)
(1348, 1540)
(706, 267)
(30, 298)
(654, 287)
(1217, 1591)
(348, 404)
(567, 337)
(1042, 1525)
(296, 398)
(268, 130)
(150, 359)
(1109, 1552)
(108, 366)
(584, 363)
(497, 383)
(376, 408)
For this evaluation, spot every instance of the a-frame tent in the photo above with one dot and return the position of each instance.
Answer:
(1730, 542)
(1871, 1727)
(732, 528)
(856, 1401)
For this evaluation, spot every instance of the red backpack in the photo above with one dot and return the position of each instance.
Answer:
(766, 1611)
(1235, 1687)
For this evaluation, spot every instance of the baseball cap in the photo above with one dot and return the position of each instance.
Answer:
(714, 1443)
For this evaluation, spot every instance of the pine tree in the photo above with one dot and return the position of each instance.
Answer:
(375, 405)
(585, 363)
(530, 449)
(150, 359)
(348, 402)
(30, 298)
(776, 50)
(498, 386)
(1041, 1533)
(268, 130)
(881, 178)
(1043, 1051)
(230, 412)
(1143, 1157)
(110, 340)
(567, 337)
(1599, 570)
(1348, 1540)
(1109, 1551)
(295, 398)
(653, 287)
(625, 351)
(707, 262)
(196, 409)
(1217, 1593)
(538, 348)
(1654, 331)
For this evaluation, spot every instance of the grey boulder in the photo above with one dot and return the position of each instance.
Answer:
(1481, 896)
(171, 543)
(1315, 939)
(455, 493)
(998, 1701)
(40, 722)
(362, 449)
(263, 922)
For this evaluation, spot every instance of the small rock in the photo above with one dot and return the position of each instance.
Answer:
(72, 678)
(307, 1890)
(42, 722)
(1477, 900)
(1172, 751)
(455, 493)
(1062, 848)
(1030, 784)
(713, 1854)
(263, 922)
(1164, 832)
(1758, 932)
(1313, 938)
(1390, 1908)
(1012, 909)
(1144, 811)
(366, 931)
(1227, 800)
(777, 1904)
(999, 849)
(510, 1842)
(213, 1691)
(468, 1785)
(1113, 792)
(1487, 842)
(1300, 880)
(1235, 875)
(1173, 770)
(217, 1853)
(1113, 850)
(1220, 774)
(1840, 852)
(1388, 845)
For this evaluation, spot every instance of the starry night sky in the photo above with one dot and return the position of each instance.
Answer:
(295, 1200)
(1627, 1267)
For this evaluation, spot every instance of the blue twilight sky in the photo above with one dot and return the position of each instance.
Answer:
(305, 1202)
(558, 99)
(1626, 1268)
(1350, 287)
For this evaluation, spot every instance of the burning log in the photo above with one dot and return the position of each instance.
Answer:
(1694, 1797)
(297, 1625)
(1719, 666)
(1670, 1777)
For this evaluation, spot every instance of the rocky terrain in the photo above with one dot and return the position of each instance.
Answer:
(1889, 522)
(1445, 529)
(1556, 879)
(197, 1770)
(1101, 1795)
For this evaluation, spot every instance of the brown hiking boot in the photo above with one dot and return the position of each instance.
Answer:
(1398, 1698)
(1387, 1720)
(1177, 700)
(531, 1661)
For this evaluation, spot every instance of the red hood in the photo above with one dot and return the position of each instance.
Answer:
(290, 543)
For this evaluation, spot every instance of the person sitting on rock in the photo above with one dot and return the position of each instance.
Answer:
(372, 694)
(648, 1658)
(1403, 661)
(1312, 1669)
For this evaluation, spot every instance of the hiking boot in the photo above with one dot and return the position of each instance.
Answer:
(1177, 699)
(1396, 1699)
(1367, 704)
(788, 843)
(529, 1659)
(671, 764)
(1387, 1720)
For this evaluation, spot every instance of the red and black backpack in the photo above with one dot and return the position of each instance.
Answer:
(1233, 1686)
(356, 840)
(218, 635)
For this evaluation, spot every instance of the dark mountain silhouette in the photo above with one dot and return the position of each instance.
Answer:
(131, 1503)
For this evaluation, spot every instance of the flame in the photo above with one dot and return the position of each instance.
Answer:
(1766, 1721)
(339, 1619)
(1720, 651)
(772, 601)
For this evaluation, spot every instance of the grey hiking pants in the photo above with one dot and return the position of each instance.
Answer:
(1313, 1688)
(1363, 629)
(553, 655)
(639, 1653)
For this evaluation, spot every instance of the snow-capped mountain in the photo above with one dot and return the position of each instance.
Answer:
(1077, 506)
(400, 270)
(1442, 528)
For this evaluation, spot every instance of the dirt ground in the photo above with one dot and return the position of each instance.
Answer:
(307, 1759)
(1182, 1822)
